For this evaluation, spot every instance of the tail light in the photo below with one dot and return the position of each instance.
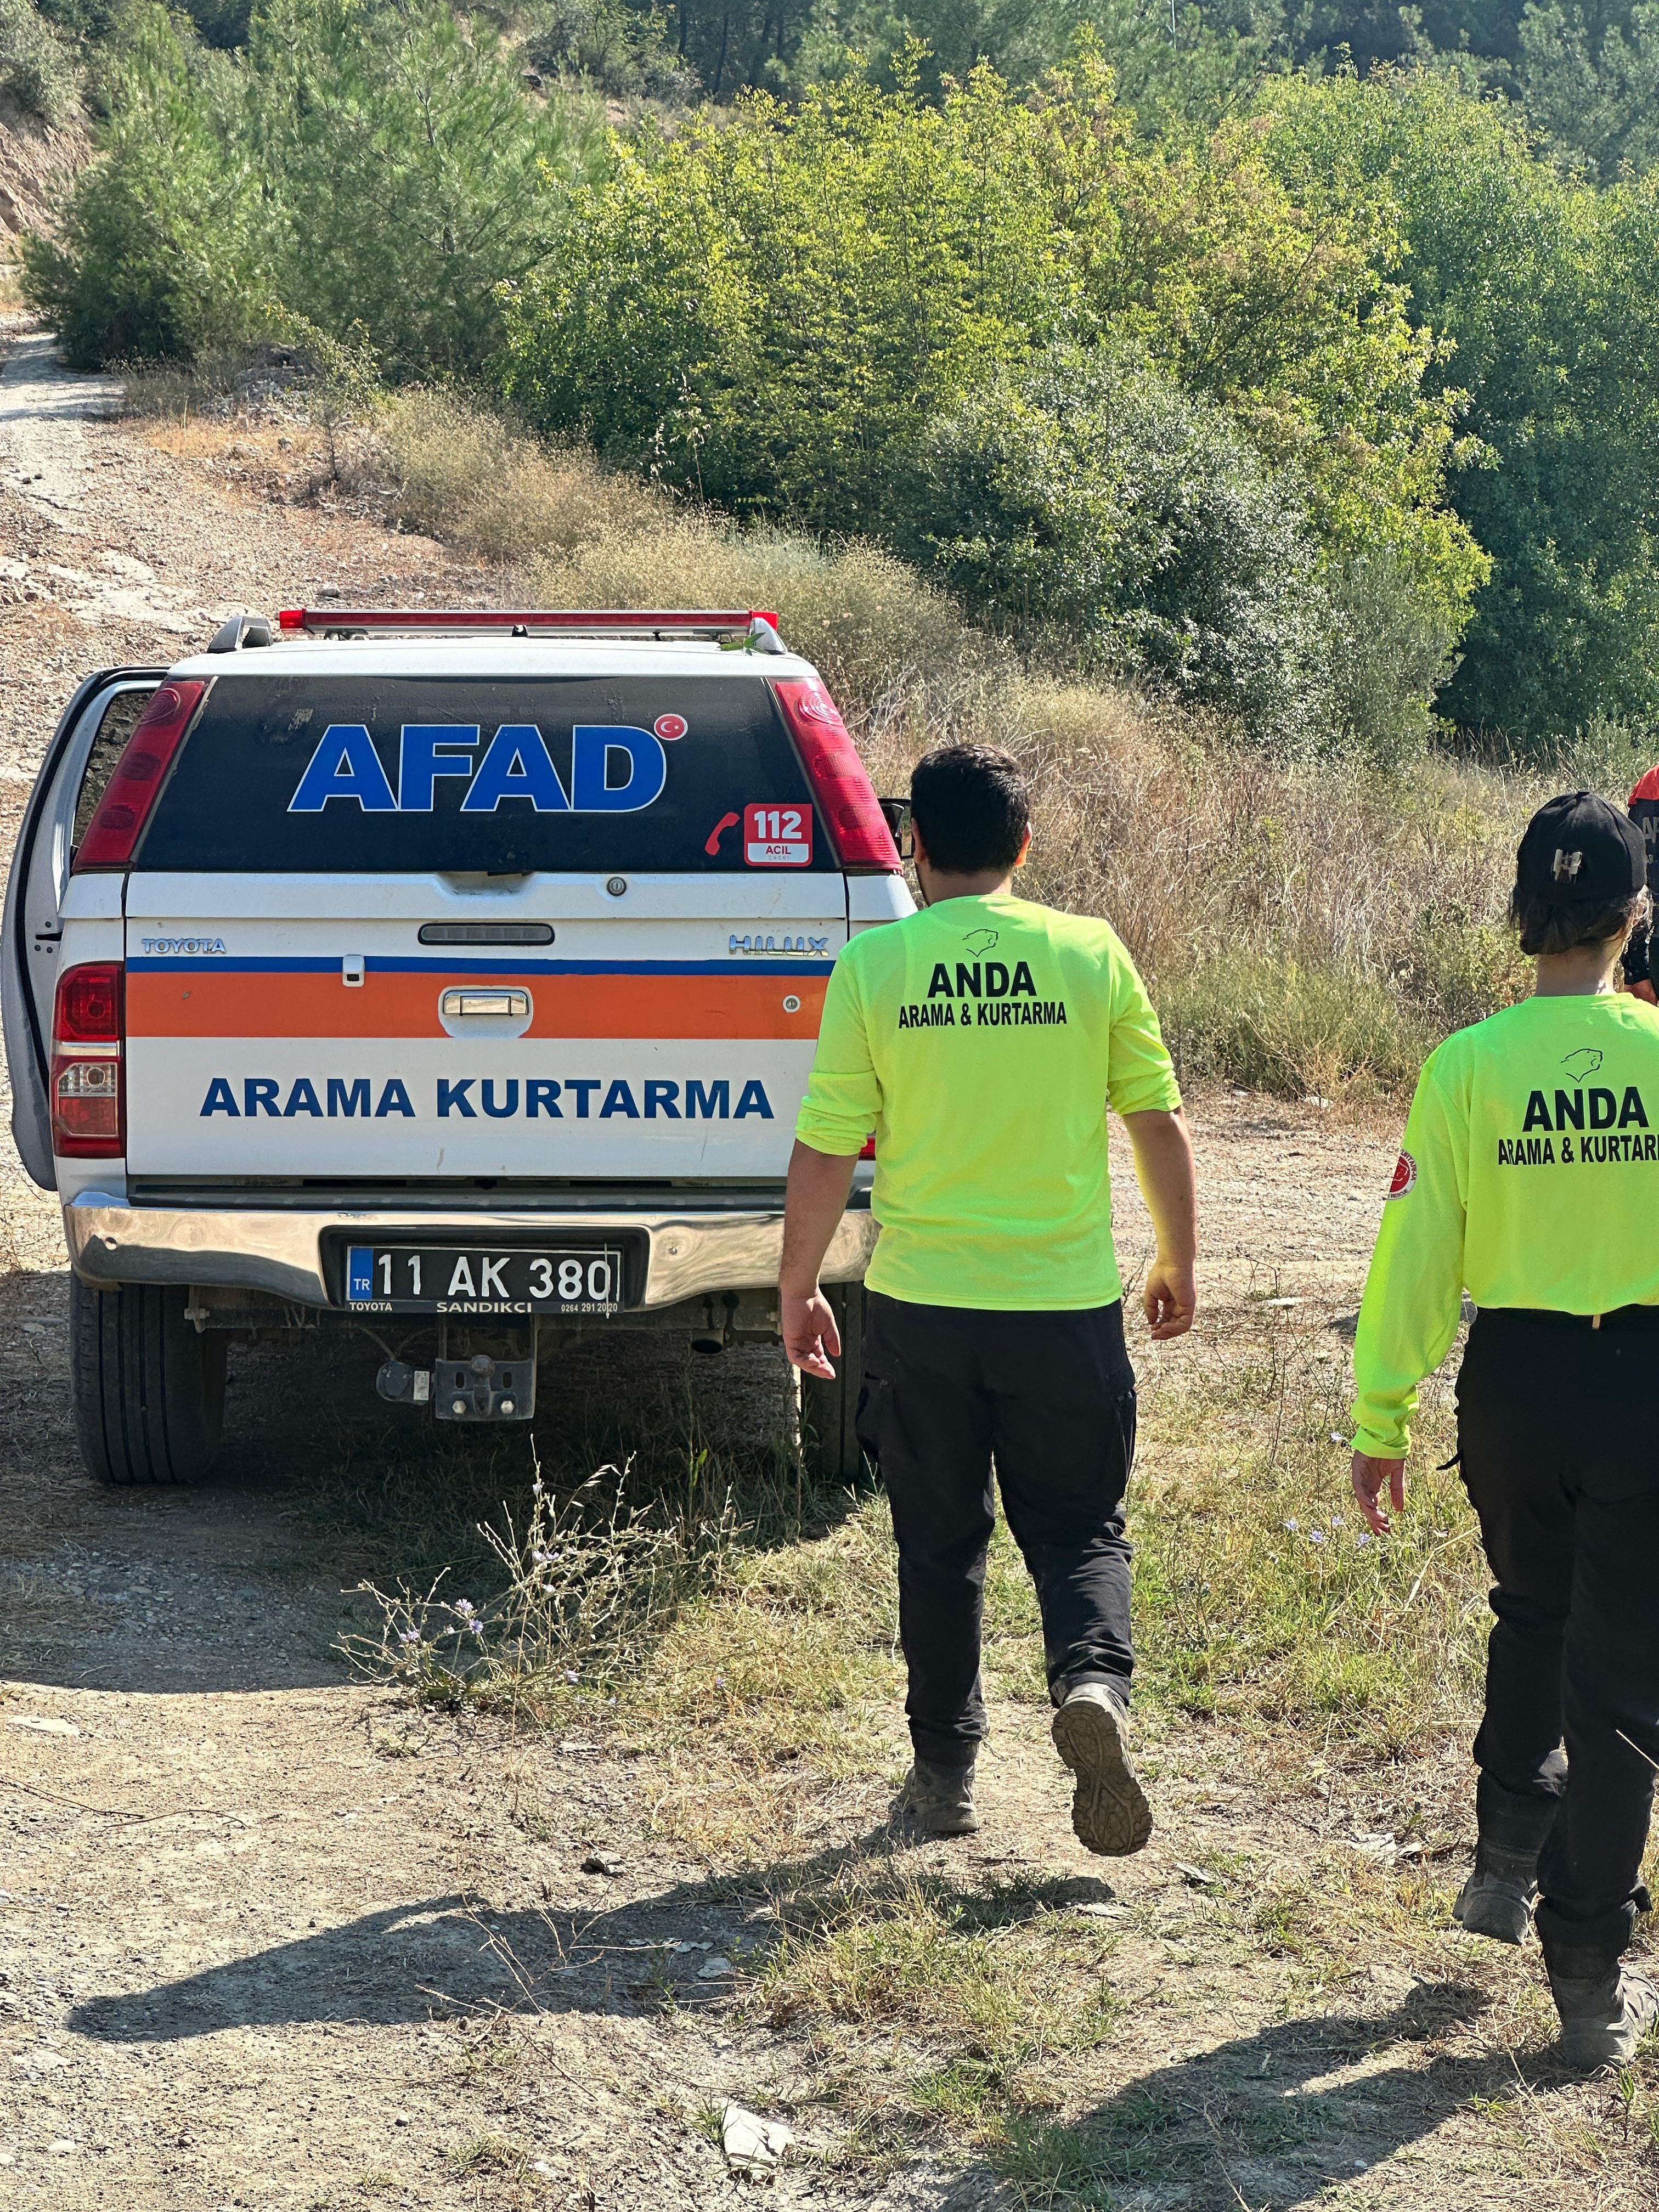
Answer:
(88, 1046)
(841, 785)
(867, 1150)
(113, 832)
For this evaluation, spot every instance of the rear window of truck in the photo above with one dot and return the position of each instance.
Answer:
(409, 775)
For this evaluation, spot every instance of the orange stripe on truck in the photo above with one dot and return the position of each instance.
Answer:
(231, 1004)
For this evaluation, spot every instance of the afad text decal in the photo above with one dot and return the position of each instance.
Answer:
(614, 769)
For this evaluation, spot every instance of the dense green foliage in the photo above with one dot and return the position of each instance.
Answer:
(846, 313)
(373, 167)
(1549, 290)
(36, 67)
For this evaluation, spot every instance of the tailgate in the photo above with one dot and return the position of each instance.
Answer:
(435, 930)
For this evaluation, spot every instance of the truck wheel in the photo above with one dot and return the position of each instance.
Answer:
(829, 1440)
(149, 1387)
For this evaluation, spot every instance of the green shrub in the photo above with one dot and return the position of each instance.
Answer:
(35, 67)
(159, 253)
(1392, 649)
(621, 51)
(1098, 500)
(374, 169)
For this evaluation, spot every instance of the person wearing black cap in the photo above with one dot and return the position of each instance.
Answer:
(1529, 1177)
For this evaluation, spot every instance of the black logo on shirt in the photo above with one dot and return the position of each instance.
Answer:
(1587, 1060)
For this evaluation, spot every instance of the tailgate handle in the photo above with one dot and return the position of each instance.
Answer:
(509, 1005)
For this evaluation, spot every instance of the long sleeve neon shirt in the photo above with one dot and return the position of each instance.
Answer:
(1529, 1177)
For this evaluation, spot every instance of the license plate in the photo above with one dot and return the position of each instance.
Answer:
(458, 1279)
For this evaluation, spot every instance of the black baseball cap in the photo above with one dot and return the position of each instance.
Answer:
(1580, 849)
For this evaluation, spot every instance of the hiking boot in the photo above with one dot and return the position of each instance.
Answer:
(937, 1800)
(1605, 2007)
(1497, 1900)
(1109, 1811)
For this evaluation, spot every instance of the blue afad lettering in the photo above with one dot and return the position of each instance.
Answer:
(614, 769)
(336, 1097)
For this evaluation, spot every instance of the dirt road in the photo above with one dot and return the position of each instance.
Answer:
(268, 1938)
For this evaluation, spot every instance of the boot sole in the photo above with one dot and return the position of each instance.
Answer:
(1109, 1812)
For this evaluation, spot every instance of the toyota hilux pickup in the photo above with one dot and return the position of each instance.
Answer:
(448, 977)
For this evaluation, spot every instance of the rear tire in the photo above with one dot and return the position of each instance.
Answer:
(149, 1386)
(829, 1411)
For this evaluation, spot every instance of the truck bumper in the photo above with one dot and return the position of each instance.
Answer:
(281, 1253)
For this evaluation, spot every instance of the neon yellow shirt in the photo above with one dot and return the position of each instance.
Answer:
(981, 1040)
(1529, 1177)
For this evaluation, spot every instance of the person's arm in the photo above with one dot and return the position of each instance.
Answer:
(1141, 1086)
(1164, 1169)
(842, 1105)
(1413, 1297)
(818, 1186)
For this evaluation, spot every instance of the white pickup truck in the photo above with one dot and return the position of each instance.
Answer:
(452, 977)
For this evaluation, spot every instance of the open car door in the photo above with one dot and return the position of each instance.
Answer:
(79, 762)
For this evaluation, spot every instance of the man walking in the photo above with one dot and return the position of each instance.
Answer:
(1530, 1168)
(980, 1039)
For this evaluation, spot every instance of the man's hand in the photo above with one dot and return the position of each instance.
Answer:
(1368, 1476)
(1169, 1296)
(811, 1338)
(816, 1199)
(1645, 991)
(1163, 1164)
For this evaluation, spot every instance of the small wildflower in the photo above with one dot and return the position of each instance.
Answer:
(408, 1636)
(1363, 1537)
(1336, 1521)
(570, 1676)
(719, 1682)
(464, 1606)
(541, 1558)
(1316, 1535)
(1290, 1527)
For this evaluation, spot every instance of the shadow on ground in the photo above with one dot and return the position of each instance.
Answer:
(1257, 2121)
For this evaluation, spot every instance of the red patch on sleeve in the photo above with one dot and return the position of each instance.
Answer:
(1648, 787)
(1405, 1174)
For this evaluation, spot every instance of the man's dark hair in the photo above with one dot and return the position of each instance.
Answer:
(972, 807)
(1558, 925)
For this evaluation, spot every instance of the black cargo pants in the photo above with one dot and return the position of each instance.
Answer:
(1560, 1456)
(1049, 1397)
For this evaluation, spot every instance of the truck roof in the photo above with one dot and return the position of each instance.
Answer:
(493, 655)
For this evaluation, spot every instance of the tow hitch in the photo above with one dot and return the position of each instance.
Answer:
(480, 1386)
(484, 1389)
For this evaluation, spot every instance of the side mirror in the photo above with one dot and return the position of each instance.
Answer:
(897, 812)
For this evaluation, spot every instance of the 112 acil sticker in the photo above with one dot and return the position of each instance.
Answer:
(777, 836)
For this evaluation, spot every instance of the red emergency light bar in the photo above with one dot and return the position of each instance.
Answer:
(524, 621)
